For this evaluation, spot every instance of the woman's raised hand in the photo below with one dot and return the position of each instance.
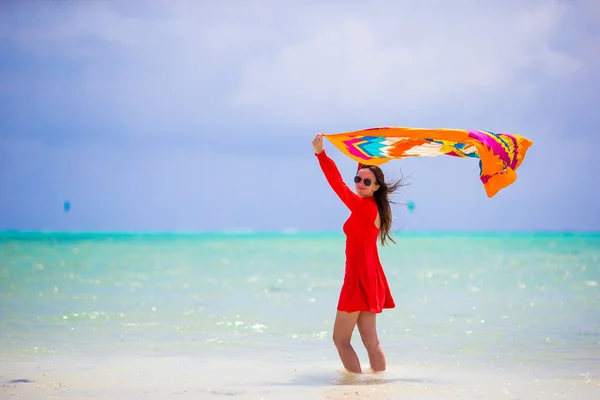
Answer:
(318, 143)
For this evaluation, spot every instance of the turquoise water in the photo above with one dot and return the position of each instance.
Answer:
(491, 301)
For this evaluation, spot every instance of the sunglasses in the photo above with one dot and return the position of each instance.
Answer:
(367, 181)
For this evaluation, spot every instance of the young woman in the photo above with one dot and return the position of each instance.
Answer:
(365, 291)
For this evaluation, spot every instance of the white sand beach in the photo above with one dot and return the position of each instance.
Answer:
(168, 377)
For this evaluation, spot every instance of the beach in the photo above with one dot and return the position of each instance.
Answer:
(249, 316)
(170, 377)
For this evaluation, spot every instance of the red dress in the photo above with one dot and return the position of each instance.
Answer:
(365, 286)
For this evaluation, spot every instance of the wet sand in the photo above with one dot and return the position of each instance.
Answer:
(170, 377)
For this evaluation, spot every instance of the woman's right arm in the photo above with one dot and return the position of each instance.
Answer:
(333, 176)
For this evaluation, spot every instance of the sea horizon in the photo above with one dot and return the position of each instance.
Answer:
(292, 232)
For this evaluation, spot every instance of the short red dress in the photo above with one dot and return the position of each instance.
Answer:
(365, 285)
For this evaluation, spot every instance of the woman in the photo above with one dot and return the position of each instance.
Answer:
(365, 291)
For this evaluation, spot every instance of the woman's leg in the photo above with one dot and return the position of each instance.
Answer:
(368, 333)
(342, 334)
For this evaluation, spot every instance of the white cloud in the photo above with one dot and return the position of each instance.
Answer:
(176, 68)
(238, 69)
(396, 59)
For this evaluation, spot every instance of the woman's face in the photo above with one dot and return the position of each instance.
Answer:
(365, 182)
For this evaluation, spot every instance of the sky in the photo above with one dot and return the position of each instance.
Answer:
(199, 115)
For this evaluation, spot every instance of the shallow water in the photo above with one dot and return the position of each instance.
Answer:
(492, 302)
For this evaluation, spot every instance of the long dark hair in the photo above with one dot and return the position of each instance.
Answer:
(382, 198)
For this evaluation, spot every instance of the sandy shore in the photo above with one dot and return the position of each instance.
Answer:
(160, 378)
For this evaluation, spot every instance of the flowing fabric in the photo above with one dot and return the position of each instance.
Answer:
(499, 154)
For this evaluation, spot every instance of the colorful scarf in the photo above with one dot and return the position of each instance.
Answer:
(499, 154)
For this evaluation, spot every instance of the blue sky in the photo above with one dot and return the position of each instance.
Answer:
(199, 115)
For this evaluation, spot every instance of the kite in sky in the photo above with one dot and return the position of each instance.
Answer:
(499, 154)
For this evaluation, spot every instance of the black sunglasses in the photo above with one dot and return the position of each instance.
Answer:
(367, 181)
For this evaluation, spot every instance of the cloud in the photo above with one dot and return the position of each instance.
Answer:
(384, 67)
(123, 104)
(173, 70)
(147, 75)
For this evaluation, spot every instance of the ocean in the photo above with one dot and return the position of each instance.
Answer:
(250, 315)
